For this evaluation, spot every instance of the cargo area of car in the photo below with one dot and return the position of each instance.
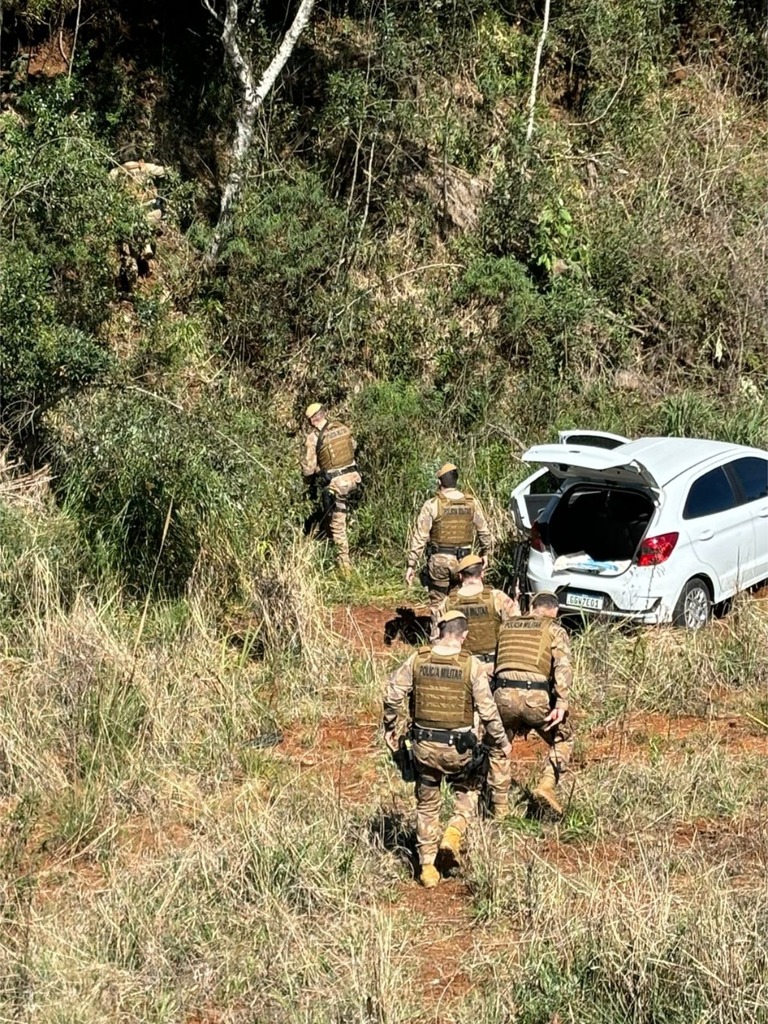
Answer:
(597, 529)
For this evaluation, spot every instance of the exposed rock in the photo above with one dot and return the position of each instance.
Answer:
(139, 177)
(456, 194)
(631, 380)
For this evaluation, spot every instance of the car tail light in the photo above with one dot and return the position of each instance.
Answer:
(655, 550)
(536, 541)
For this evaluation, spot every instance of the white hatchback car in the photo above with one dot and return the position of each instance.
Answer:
(659, 529)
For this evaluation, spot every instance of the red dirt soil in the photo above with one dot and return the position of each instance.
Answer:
(366, 626)
(341, 750)
(447, 935)
(637, 734)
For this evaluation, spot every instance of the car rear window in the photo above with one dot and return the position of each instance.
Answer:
(592, 441)
(709, 494)
(752, 474)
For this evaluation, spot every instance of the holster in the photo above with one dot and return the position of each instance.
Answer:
(477, 766)
(327, 500)
(403, 759)
(445, 549)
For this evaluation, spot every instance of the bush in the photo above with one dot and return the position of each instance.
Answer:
(397, 429)
(276, 295)
(62, 218)
(142, 481)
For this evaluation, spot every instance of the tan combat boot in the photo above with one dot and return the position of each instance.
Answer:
(345, 565)
(450, 845)
(546, 792)
(430, 876)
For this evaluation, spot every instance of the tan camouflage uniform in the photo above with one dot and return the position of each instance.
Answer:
(524, 710)
(506, 606)
(340, 487)
(436, 760)
(443, 569)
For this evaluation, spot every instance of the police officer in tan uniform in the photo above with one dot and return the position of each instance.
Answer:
(329, 462)
(531, 684)
(441, 688)
(485, 608)
(448, 524)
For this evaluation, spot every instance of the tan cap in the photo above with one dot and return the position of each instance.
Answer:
(469, 560)
(450, 616)
(447, 468)
(313, 410)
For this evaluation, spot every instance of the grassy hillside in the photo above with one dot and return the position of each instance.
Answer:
(455, 292)
(400, 251)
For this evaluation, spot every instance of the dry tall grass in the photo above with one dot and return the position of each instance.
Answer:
(161, 864)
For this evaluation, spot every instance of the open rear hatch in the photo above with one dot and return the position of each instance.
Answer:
(533, 494)
(565, 461)
(597, 525)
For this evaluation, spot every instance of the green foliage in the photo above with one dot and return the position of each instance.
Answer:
(61, 217)
(388, 417)
(277, 295)
(41, 564)
(143, 481)
(33, 12)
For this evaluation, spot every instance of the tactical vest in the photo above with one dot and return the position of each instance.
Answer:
(454, 525)
(482, 617)
(335, 449)
(525, 645)
(442, 690)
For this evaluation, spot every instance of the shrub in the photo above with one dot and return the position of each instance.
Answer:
(280, 275)
(142, 481)
(62, 217)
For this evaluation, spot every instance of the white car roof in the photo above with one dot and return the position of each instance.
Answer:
(655, 460)
(668, 457)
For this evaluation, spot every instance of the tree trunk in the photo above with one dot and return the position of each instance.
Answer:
(536, 68)
(252, 99)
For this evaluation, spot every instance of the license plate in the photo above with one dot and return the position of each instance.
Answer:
(575, 599)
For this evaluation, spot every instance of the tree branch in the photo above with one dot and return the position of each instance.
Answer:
(252, 99)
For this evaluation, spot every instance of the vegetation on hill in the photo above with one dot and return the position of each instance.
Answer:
(400, 251)
(454, 291)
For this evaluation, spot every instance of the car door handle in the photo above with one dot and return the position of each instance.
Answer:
(706, 535)
(763, 512)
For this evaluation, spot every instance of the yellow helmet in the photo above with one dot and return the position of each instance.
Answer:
(313, 410)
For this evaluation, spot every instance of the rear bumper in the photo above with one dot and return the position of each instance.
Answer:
(619, 607)
(650, 618)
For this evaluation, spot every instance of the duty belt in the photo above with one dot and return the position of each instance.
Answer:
(519, 684)
(422, 735)
(331, 474)
(442, 549)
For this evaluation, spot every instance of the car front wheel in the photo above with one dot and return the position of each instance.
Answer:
(694, 606)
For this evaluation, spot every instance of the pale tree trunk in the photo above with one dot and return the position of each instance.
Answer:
(252, 98)
(536, 67)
